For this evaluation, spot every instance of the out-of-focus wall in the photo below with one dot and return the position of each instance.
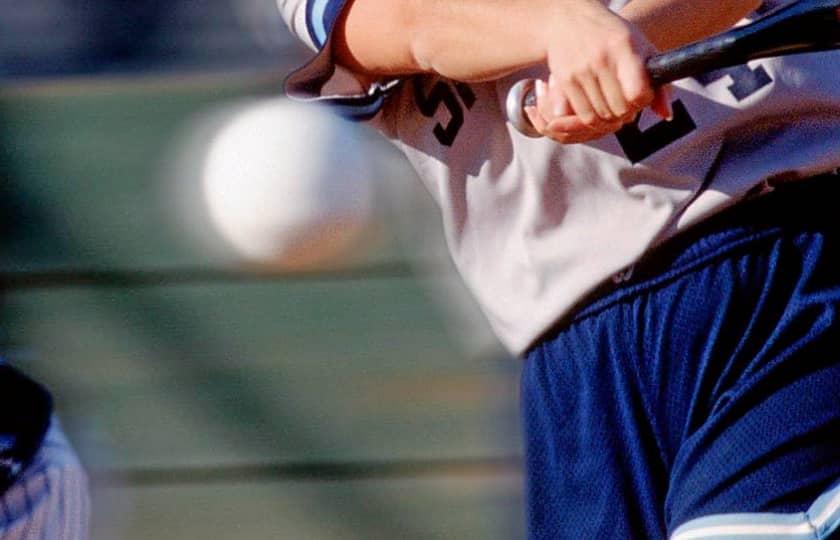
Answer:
(71, 37)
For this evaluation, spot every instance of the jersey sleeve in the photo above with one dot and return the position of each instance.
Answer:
(320, 79)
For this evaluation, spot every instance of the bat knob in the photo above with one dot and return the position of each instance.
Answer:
(519, 96)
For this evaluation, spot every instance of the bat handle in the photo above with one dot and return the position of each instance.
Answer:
(698, 57)
(521, 95)
(662, 69)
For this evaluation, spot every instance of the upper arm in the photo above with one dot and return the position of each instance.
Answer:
(372, 37)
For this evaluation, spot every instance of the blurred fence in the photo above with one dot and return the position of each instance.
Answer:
(209, 401)
(67, 37)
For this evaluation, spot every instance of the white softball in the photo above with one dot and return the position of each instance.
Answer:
(289, 184)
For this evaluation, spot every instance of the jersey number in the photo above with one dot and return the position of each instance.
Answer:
(639, 144)
(445, 94)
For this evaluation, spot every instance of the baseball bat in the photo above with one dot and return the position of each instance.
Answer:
(800, 27)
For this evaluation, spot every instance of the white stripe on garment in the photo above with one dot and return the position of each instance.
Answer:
(65, 500)
(809, 527)
(38, 496)
(830, 509)
(745, 530)
(72, 499)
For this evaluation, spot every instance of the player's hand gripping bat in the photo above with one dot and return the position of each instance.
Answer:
(804, 26)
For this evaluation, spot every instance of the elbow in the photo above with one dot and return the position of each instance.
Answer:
(379, 37)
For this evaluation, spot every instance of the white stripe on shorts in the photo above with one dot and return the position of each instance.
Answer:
(50, 501)
(819, 522)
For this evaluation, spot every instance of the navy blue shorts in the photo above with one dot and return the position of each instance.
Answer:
(700, 398)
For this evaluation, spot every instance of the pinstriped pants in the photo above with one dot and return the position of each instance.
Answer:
(50, 500)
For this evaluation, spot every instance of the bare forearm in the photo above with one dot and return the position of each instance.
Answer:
(672, 23)
(479, 39)
(483, 39)
(461, 39)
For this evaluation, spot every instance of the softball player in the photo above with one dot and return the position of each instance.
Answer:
(43, 488)
(672, 284)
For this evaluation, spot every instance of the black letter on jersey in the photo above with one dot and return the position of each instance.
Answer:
(638, 144)
(443, 93)
(466, 93)
(745, 80)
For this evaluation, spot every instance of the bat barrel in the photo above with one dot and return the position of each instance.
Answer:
(807, 25)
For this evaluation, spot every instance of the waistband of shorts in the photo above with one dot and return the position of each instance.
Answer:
(808, 204)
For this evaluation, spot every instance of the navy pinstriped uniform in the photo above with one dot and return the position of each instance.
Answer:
(43, 488)
(50, 499)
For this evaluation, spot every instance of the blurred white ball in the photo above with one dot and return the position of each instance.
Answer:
(289, 185)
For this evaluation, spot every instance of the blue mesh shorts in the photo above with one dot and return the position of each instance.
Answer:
(700, 398)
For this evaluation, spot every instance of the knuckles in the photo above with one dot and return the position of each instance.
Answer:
(590, 119)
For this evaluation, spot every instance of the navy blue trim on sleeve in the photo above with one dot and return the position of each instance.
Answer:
(363, 107)
(307, 83)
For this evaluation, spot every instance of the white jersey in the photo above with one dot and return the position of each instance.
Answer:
(533, 225)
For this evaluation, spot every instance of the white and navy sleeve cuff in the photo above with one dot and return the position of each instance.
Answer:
(321, 16)
(319, 80)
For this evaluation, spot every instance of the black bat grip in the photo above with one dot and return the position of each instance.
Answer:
(689, 60)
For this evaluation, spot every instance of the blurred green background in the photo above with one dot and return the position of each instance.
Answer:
(208, 400)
